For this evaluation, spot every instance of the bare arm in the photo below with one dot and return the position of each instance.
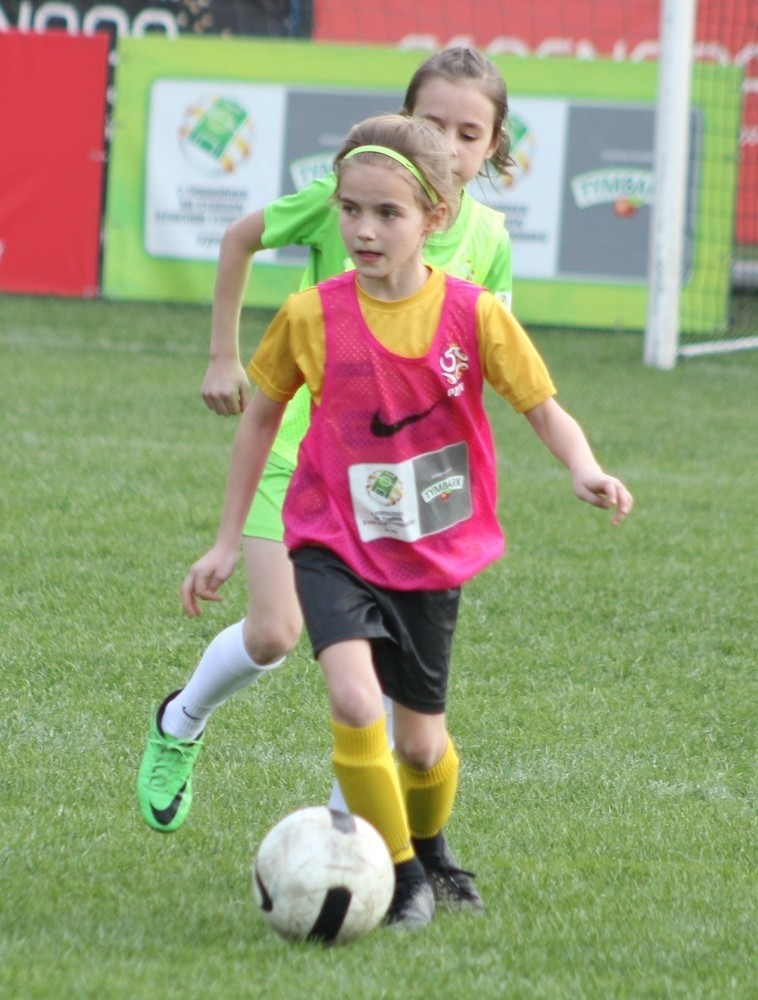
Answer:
(226, 388)
(563, 436)
(252, 443)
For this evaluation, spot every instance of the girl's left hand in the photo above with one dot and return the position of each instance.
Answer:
(605, 491)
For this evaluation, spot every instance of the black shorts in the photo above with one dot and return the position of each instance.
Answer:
(411, 631)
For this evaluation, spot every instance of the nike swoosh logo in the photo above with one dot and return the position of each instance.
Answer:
(164, 816)
(382, 430)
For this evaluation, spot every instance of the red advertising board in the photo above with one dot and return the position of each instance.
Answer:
(726, 32)
(52, 116)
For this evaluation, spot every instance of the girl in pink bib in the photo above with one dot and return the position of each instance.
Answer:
(393, 502)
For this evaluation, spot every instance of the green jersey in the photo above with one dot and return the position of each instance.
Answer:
(476, 247)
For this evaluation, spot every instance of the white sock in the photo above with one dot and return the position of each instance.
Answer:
(224, 669)
(337, 799)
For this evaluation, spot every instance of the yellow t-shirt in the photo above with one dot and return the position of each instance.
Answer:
(292, 351)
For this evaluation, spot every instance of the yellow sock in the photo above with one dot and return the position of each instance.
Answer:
(429, 795)
(368, 778)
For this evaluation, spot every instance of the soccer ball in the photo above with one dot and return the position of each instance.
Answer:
(323, 875)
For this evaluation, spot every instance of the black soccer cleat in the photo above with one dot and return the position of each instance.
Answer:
(453, 886)
(412, 905)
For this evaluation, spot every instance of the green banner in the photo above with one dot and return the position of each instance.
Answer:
(206, 130)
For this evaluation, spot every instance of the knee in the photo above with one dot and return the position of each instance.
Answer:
(421, 751)
(269, 641)
(354, 707)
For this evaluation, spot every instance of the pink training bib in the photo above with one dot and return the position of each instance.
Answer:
(396, 473)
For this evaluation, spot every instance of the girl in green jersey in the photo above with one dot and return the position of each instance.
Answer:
(461, 92)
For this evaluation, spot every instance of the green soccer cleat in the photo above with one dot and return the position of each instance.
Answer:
(164, 781)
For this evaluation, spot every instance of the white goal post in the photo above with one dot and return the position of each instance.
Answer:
(672, 136)
(677, 39)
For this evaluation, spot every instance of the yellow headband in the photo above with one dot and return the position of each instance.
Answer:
(404, 161)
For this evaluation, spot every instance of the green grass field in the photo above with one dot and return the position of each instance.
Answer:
(603, 692)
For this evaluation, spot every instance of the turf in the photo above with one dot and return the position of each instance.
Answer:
(603, 696)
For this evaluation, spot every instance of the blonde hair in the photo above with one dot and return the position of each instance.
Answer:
(419, 141)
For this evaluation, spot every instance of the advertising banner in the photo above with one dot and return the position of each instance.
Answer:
(726, 35)
(578, 201)
(119, 18)
(52, 116)
(195, 149)
(203, 171)
(270, 115)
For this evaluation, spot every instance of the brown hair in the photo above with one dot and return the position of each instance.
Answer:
(461, 63)
(417, 140)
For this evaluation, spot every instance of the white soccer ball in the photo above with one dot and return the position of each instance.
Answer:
(323, 875)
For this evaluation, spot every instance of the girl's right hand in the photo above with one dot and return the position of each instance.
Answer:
(205, 577)
(226, 389)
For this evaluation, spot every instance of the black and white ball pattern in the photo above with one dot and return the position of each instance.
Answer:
(323, 875)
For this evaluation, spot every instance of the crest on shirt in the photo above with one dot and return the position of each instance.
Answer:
(453, 363)
(384, 487)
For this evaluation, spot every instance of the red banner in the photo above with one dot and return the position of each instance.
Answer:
(727, 32)
(52, 118)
